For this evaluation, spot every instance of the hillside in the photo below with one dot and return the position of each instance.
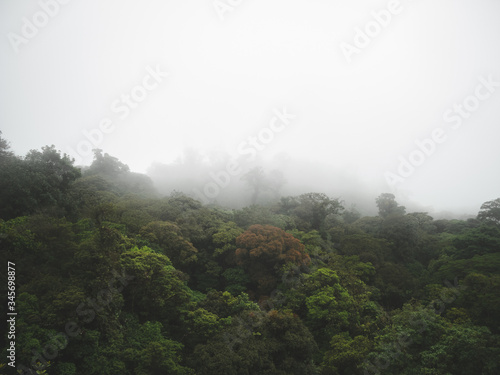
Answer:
(109, 277)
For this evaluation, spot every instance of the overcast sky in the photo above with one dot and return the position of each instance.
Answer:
(361, 89)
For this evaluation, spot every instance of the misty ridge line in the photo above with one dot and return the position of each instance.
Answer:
(250, 147)
(122, 107)
(454, 118)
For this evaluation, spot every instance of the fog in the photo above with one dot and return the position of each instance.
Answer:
(213, 98)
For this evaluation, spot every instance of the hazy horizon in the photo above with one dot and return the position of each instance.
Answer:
(298, 87)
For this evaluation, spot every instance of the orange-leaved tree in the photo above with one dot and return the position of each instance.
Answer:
(262, 250)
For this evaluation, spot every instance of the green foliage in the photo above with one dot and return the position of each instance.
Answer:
(463, 350)
(449, 269)
(395, 283)
(477, 241)
(368, 248)
(5, 154)
(387, 206)
(167, 237)
(236, 280)
(169, 286)
(346, 355)
(272, 343)
(311, 211)
(248, 216)
(157, 289)
(330, 307)
(106, 165)
(225, 238)
(224, 304)
(39, 182)
(490, 212)
(481, 300)
(262, 250)
(150, 352)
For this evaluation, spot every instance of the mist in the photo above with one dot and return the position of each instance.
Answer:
(216, 98)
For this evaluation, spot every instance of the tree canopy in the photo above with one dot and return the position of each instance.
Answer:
(112, 278)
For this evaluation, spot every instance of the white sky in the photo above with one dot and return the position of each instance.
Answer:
(226, 77)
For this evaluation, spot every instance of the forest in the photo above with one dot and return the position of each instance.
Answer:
(112, 277)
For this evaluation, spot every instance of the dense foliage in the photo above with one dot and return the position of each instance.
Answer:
(112, 279)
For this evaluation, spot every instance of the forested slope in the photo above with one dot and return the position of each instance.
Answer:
(113, 279)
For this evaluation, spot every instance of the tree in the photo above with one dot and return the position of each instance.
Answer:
(387, 206)
(490, 212)
(464, 350)
(369, 248)
(107, 165)
(275, 181)
(346, 355)
(40, 181)
(224, 304)
(311, 211)
(330, 307)
(157, 289)
(395, 283)
(316, 208)
(424, 222)
(119, 176)
(225, 238)
(168, 238)
(481, 300)
(403, 233)
(236, 280)
(4, 149)
(420, 341)
(259, 343)
(398, 345)
(263, 249)
(256, 179)
(263, 215)
(150, 352)
(351, 215)
(477, 241)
